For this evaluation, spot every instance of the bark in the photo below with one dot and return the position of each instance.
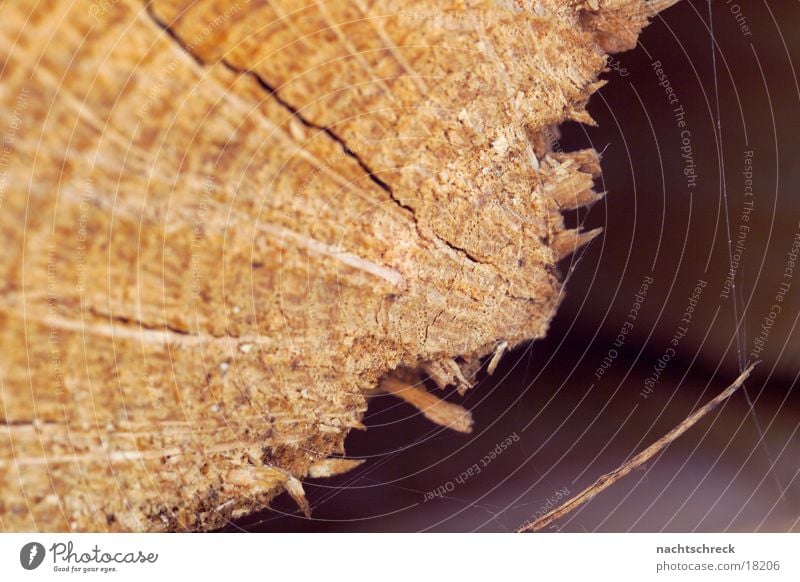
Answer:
(227, 222)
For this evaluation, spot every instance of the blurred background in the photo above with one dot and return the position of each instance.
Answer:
(703, 201)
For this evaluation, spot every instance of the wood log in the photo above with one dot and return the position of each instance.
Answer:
(226, 222)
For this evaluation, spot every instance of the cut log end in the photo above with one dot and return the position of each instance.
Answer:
(283, 225)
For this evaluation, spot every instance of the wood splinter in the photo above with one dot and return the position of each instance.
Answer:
(570, 241)
(332, 466)
(499, 351)
(637, 461)
(443, 413)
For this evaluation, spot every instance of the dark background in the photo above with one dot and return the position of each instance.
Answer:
(737, 470)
